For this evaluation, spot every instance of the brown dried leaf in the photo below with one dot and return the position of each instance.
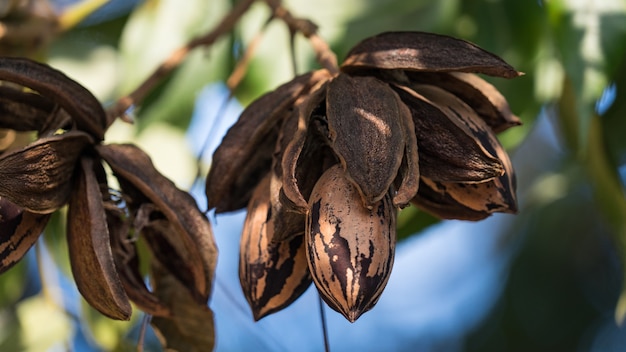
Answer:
(80, 104)
(19, 230)
(244, 155)
(450, 147)
(272, 275)
(23, 111)
(366, 133)
(127, 263)
(189, 226)
(479, 94)
(498, 194)
(350, 248)
(90, 252)
(420, 51)
(38, 177)
(191, 326)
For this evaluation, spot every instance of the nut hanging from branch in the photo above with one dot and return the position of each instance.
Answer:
(405, 120)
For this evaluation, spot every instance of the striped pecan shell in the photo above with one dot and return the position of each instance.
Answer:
(272, 274)
(350, 248)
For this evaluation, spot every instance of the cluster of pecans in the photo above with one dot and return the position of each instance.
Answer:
(323, 163)
(64, 165)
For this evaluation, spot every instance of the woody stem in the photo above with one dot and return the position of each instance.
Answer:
(323, 54)
(175, 59)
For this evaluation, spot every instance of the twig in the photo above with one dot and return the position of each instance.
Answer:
(324, 324)
(242, 65)
(292, 51)
(323, 54)
(142, 332)
(232, 83)
(225, 26)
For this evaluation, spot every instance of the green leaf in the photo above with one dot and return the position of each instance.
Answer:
(154, 30)
(610, 195)
(375, 17)
(592, 43)
(590, 36)
(109, 334)
(608, 190)
(516, 31)
(35, 315)
(12, 285)
(614, 121)
(56, 243)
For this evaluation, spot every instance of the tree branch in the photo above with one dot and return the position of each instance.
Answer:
(323, 54)
(139, 94)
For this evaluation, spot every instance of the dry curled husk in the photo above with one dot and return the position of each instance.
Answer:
(64, 166)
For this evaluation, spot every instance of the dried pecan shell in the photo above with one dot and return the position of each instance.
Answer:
(272, 275)
(366, 133)
(479, 94)
(468, 200)
(293, 186)
(450, 146)
(244, 155)
(185, 223)
(79, 103)
(23, 111)
(89, 246)
(350, 248)
(38, 177)
(420, 51)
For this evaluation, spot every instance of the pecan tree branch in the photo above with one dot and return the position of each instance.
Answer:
(175, 59)
(323, 54)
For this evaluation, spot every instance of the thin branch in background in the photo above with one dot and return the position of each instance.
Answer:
(142, 332)
(175, 59)
(242, 65)
(49, 283)
(323, 54)
(324, 324)
(292, 51)
(220, 112)
(232, 83)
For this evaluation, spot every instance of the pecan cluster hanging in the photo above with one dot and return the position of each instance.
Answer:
(65, 166)
(324, 161)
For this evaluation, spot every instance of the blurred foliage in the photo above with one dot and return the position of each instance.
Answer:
(566, 277)
(155, 29)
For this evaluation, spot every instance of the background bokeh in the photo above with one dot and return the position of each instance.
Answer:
(547, 279)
